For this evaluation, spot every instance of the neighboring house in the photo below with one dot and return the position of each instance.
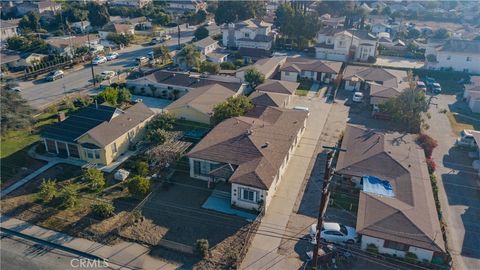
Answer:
(381, 82)
(44, 8)
(250, 153)
(81, 27)
(141, 22)
(274, 93)
(10, 59)
(66, 45)
(116, 28)
(460, 55)
(378, 28)
(130, 3)
(97, 134)
(317, 70)
(472, 94)
(342, 45)
(334, 22)
(209, 49)
(180, 7)
(8, 29)
(251, 33)
(405, 219)
(197, 104)
(172, 85)
(267, 66)
(252, 54)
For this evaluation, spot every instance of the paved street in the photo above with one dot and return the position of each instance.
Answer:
(459, 190)
(40, 92)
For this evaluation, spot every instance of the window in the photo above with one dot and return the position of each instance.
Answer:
(97, 154)
(395, 245)
(89, 154)
(287, 73)
(469, 59)
(248, 195)
(114, 147)
(92, 154)
(201, 168)
(247, 35)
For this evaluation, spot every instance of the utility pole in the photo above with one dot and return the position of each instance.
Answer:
(178, 35)
(91, 59)
(324, 201)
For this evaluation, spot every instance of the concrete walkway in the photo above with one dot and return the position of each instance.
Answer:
(27, 178)
(262, 253)
(124, 255)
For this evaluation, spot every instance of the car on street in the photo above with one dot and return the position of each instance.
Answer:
(421, 86)
(99, 60)
(436, 88)
(466, 139)
(429, 81)
(107, 74)
(54, 75)
(357, 97)
(334, 232)
(111, 56)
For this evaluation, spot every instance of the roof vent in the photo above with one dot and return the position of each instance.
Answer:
(249, 132)
(265, 145)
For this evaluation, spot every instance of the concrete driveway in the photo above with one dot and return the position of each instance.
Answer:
(459, 189)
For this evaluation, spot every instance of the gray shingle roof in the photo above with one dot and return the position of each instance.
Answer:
(276, 86)
(305, 64)
(186, 80)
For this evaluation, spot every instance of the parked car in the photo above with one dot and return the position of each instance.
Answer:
(436, 88)
(150, 55)
(334, 232)
(357, 97)
(429, 81)
(466, 139)
(421, 86)
(107, 74)
(166, 37)
(99, 60)
(141, 60)
(54, 75)
(15, 89)
(112, 56)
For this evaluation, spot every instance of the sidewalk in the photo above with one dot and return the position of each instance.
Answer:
(124, 255)
(262, 253)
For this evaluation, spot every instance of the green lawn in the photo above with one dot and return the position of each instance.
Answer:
(460, 123)
(301, 92)
(346, 202)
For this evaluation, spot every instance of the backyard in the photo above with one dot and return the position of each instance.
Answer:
(459, 122)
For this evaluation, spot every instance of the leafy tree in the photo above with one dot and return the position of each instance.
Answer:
(27, 43)
(212, 68)
(297, 24)
(233, 11)
(103, 209)
(189, 56)
(163, 53)
(94, 178)
(48, 191)
(124, 96)
(254, 77)
(232, 107)
(164, 120)
(202, 246)
(98, 14)
(138, 186)
(109, 95)
(441, 33)
(195, 17)
(118, 39)
(30, 22)
(407, 108)
(141, 167)
(157, 136)
(201, 33)
(69, 196)
(16, 113)
(413, 33)
(228, 65)
(75, 14)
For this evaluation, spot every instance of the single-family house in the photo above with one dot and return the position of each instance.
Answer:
(457, 54)
(197, 104)
(396, 209)
(10, 59)
(180, 7)
(250, 153)
(66, 45)
(130, 3)
(8, 29)
(472, 94)
(296, 68)
(274, 93)
(210, 50)
(97, 134)
(141, 22)
(44, 8)
(381, 83)
(334, 22)
(381, 28)
(267, 66)
(116, 28)
(173, 85)
(81, 27)
(251, 33)
(341, 45)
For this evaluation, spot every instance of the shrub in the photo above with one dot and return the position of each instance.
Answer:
(411, 257)
(427, 143)
(431, 165)
(227, 65)
(138, 186)
(69, 196)
(201, 246)
(103, 209)
(372, 59)
(48, 191)
(141, 167)
(94, 178)
(372, 248)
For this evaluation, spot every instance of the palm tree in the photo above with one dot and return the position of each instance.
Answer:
(163, 53)
(189, 56)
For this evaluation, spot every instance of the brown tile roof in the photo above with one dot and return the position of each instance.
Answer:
(268, 99)
(107, 132)
(387, 77)
(203, 99)
(61, 42)
(299, 64)
(257, 145)
(267, 65)
(410, 217)
(463, 46)
(117, 27)
(276, 86)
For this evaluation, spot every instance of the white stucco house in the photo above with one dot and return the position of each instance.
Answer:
(116, 28)
(342, 45)
(8, 28)
(296, 68)
(242, 152)
(472, 94)
(457, 54)
(251, 33)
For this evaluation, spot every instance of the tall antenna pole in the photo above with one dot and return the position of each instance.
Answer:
(91, 58)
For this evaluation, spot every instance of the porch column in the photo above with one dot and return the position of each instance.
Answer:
(56, 146)
(45, 143)
(68, 152)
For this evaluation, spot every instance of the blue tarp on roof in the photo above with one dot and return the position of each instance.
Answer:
(375, 185)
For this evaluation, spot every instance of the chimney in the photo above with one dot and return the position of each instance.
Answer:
(61, 116)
